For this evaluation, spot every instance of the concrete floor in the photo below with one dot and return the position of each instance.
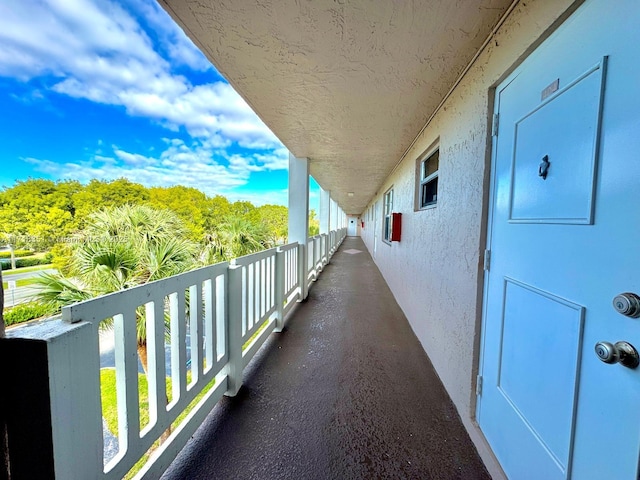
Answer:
(345, 392)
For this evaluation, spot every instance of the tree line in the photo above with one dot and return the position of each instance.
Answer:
(111, 235)
(40, 213)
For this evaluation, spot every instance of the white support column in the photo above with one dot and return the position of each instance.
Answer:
(234, 330)
(279, 289)
(325, 211)
(299, 215)
(333, 215)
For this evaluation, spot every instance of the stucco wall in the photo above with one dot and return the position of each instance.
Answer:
(435, 272)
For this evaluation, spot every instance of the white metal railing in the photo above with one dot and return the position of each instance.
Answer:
(220, 314)
(320, 248)
(290, 280)
(195, 301)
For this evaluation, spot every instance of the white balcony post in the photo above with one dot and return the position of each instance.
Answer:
(325, 248)
(52, 393)
(75, 405)
(333, 214)
(325, 211)
(234, 330)
(279, 289)
(325, 222)
(299, 215)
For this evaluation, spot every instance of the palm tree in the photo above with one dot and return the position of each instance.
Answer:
(234, 238)
(124, 247)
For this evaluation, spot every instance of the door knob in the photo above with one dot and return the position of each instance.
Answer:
(622, 352)
(627, 304)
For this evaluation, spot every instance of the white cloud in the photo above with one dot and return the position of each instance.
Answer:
(133, 159)
(98, 50)
(172, 39)
(258, 162)
(200, 165)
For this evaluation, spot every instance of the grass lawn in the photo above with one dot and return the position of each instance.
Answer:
(35, 268)
(110, 407)
(19, 283)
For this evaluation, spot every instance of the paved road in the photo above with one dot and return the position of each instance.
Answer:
(6, 276)
(21, 294)
(18, 296)
(107, 352)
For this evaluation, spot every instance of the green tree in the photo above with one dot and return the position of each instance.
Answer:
(35, 212)
(103, 194)
(314, 223)
(122, 247)
(275, 219)
(235, 238)
(190, 204)
(241, 208)
(217, 209)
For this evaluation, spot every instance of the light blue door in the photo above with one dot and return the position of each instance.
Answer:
(564, 240)
(352, 226)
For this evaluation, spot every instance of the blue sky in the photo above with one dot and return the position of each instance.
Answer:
(107, 89)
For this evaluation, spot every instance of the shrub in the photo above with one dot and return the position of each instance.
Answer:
(26, 262)
(27, 311)
(61, 258)
(17, 253)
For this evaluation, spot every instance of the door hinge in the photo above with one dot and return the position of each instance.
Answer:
(487, 260)
(479, 385)
(494, 125)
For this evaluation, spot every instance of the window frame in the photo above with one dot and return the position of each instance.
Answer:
(387, 220)
(423, 181)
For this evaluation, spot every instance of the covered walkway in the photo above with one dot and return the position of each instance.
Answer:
(346, 391)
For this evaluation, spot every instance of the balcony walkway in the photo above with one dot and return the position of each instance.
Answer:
(346, 391)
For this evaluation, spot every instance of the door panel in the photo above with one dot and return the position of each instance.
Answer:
(567, 195)
(561, 249)
(557, 332)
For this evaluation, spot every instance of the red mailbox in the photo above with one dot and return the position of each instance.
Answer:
(396, 226)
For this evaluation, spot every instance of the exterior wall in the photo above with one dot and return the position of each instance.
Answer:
(435, 272)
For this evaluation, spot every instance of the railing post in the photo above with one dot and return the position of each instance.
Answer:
(325, 248)
(303, 271)
(53, 393)
(234, 330)
(314, 246)
(279, 290)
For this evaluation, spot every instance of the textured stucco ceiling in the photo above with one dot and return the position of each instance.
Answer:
(346, 83)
